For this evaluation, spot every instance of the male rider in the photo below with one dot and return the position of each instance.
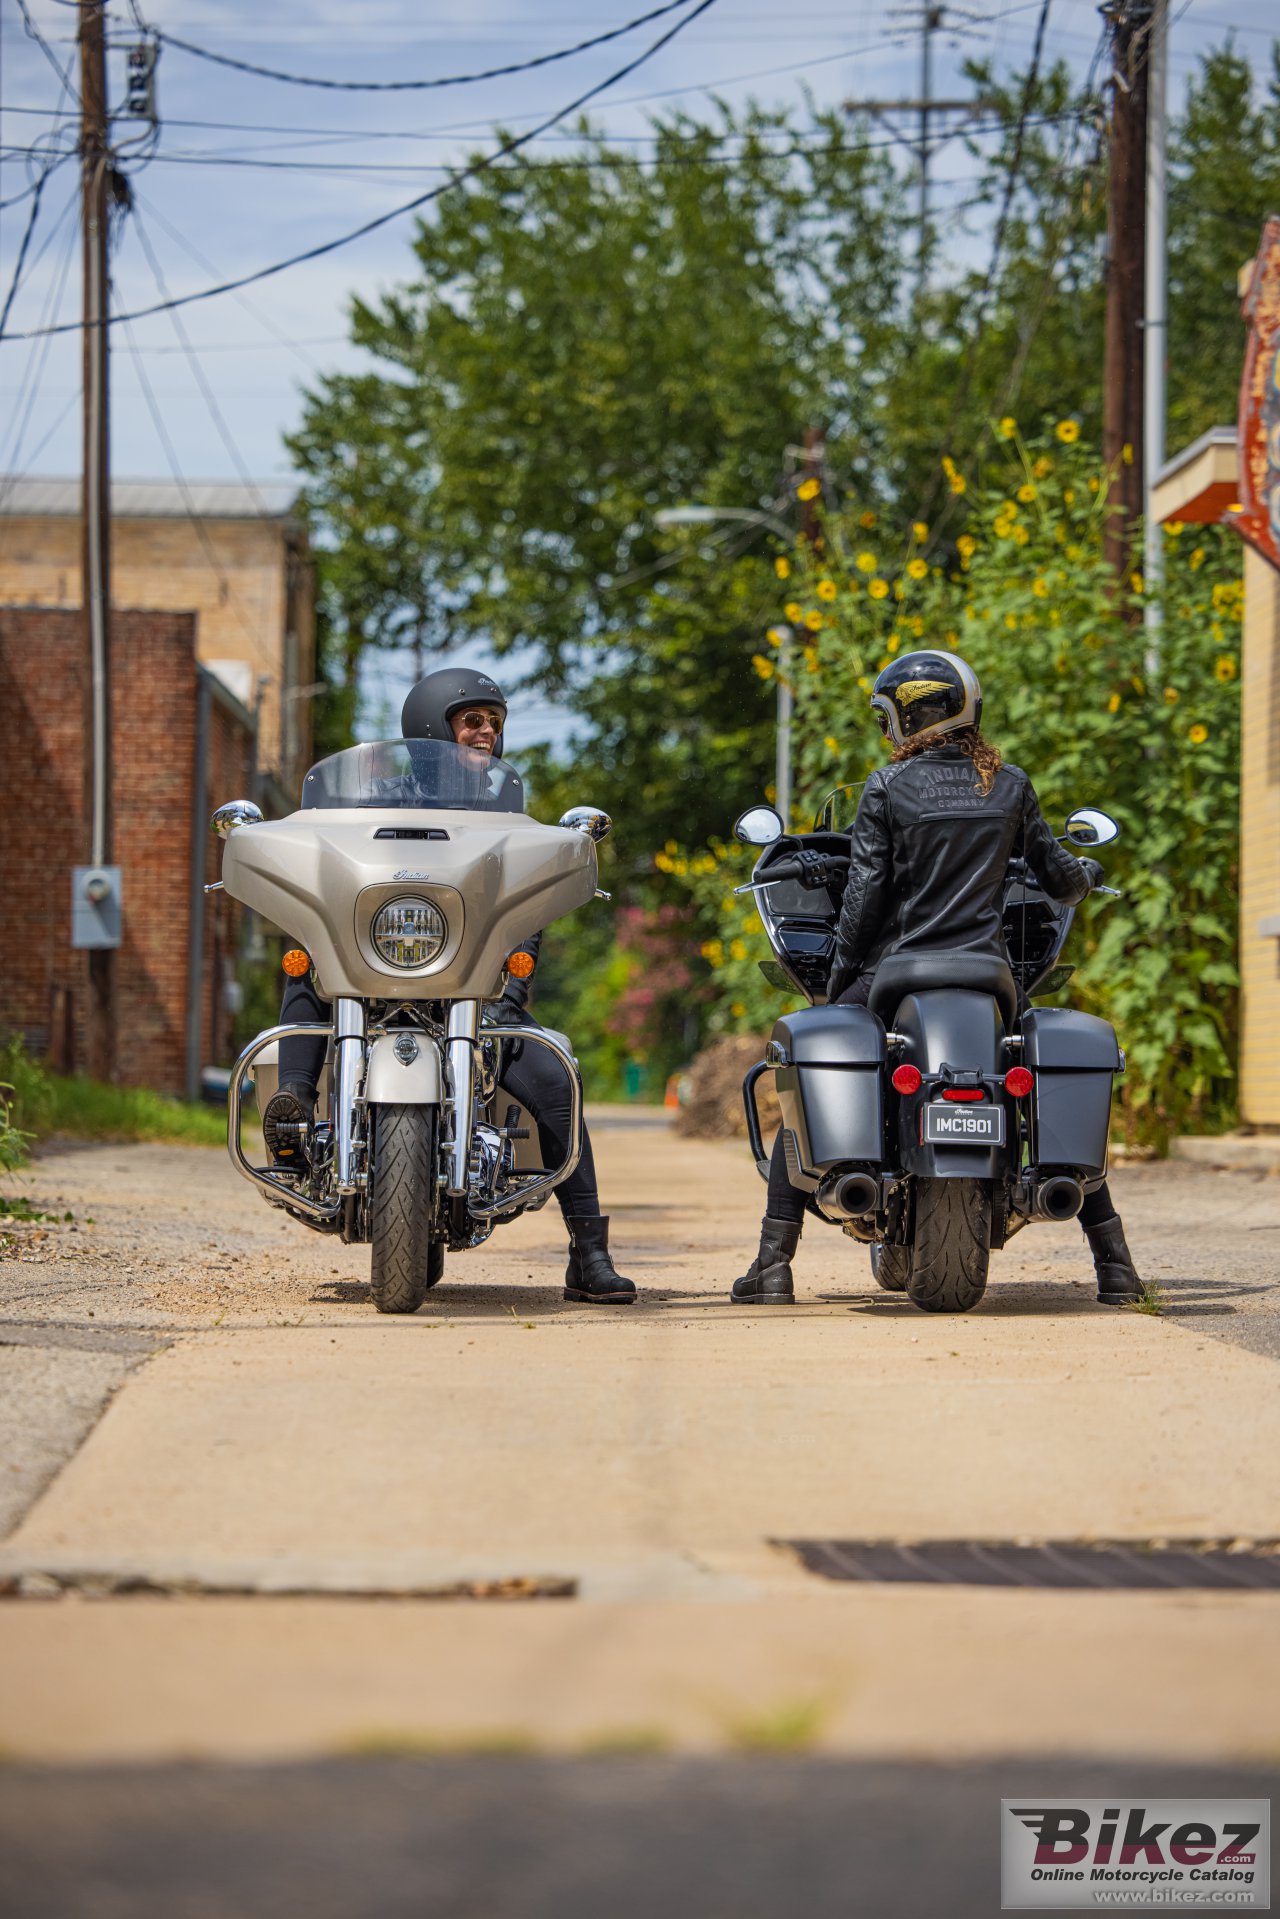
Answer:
(462, 705)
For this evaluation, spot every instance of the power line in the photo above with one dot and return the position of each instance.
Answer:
(63, 73)
(419, 86)
(483, 165)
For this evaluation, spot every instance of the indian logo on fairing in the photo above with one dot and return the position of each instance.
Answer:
(1258, 432)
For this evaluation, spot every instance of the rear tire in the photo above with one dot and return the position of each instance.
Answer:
(952, 1246)
(891, 1266)
(403, 1207)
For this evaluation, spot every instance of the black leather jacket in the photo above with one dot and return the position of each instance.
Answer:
(928, 857)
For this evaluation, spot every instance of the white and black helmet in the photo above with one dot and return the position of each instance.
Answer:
(924, 695)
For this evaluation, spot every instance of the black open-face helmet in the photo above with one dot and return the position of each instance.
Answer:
(431, 704)
(924, 695)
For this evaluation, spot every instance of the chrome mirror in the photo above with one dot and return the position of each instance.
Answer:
(1089, 827)
(758, 826)
(589, 820)
(235, 813)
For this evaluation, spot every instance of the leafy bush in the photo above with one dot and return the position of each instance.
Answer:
(39, 1103)
(1066, 664)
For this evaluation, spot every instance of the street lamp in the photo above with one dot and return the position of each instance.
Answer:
(754, 516)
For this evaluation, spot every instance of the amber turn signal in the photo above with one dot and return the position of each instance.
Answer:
(520, 965)
(296, 962)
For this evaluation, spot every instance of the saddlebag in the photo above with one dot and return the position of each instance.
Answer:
(1074, 1058)
(829, 1075)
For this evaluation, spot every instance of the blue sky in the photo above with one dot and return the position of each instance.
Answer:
(211, 209)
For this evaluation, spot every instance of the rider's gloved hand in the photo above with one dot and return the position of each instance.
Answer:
(505, 1012)
(1094, 872)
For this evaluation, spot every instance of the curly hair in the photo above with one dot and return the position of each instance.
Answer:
(987, 759)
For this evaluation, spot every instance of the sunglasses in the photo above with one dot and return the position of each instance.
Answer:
(475, 722)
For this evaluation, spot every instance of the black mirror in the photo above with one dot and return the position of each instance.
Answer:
(1089, 827)
(758, 826)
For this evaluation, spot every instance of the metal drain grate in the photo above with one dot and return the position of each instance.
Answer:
(1209, 1566)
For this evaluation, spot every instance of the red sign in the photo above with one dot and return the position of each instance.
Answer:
(1258, 435)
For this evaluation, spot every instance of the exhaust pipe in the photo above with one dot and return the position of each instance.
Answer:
(844, 1196)
(1060, 1197)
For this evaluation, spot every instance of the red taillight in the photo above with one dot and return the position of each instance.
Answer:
(1019, 1081)
(963, 1092)
(906, 1079)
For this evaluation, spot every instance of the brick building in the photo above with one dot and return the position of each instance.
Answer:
(181, 744)
(235, 555)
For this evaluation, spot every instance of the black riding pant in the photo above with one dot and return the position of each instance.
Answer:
(534, 1078)
(787, 1202)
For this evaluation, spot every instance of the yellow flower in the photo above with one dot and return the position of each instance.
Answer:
(808, 489)
(773, 636)
(1067, 431)
(737, 949)
(1040, 587)
(966, 546)
(1008, 427)
(1126, 453)
(826, 589)
(878, 589)
(893, 643)
(866, 563)
(811, 658)
(1068, 497)
(1137, 684)
(1011, 621)
(1173, 528)
(1093, 484)
(1171, 696)
(793, 610)
(958, 484)
(1021, 536)
(1197, 559)
(712, 950)
(664, 862)
(814, 622)
(920, 530)
(1042, 467)
(867, 519)
(1026, 493)
(1135, 581)
(917, 625)
(1197, 734)
(763, 667)
(782, 568)
(831, 744)
(1003, 527)
(1113, 704)
(1226, 668)
(1073, 552)
(864, 684)
(918, 569)
(737, 1010)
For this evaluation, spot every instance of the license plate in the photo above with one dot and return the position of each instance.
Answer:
(951, 1124)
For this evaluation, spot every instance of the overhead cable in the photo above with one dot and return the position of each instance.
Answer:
(418, 86)
(483, 165)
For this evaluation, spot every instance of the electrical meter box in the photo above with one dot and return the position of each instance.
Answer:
(96, 912)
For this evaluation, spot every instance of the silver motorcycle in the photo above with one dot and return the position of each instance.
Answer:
(411, 877)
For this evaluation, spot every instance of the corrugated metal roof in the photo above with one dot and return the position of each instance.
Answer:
(153, 499)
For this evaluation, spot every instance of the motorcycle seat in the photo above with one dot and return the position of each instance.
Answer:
(901, 973)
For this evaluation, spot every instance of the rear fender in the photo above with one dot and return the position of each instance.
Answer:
(963, 1030)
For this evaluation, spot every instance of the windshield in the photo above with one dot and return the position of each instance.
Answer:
(415, 773)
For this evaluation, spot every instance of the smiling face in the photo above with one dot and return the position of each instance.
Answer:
(478, 726)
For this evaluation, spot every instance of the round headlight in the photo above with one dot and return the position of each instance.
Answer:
(408, 932)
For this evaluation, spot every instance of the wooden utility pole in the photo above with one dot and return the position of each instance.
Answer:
(95, 509)
(1122, 374)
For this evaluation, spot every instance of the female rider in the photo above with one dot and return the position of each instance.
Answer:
(929, 850)
(468, 707)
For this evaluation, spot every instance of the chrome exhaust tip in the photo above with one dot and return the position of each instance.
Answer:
(843, 1196)
(1059, 1198)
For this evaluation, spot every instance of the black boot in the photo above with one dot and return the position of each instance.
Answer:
(1118, 1282)
(767, 1281)
(286, 1125)
(591, 1275)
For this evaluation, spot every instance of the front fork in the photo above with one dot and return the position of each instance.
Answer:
(462, 1031)
(348, 1077)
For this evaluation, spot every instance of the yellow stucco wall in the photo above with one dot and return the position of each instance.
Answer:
(1260, 845)
(238, 586)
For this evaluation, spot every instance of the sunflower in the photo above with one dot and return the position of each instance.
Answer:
(918, 569)
(1171, 696)
(1026, 494)
(966, 546)
(793, 610)
(826, 589)
(814, 622)
(762, 666)
(1008, 427)
(866, 562)
(1113, 704)
(782, 568)
(1068, 431)
(878, 589)
(1197, 734)
(831, 744)
(920, 531)
(1040, 587)
(1225, 668)
(808, 489)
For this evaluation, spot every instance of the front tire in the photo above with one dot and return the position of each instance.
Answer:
(403, 1206)
(891, 1267)
(951, 1249)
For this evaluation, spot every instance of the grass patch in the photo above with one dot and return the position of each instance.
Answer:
(621, 1742)
(1153, 1302)
(38, 1103)
(15, 1208)
(794, 1726)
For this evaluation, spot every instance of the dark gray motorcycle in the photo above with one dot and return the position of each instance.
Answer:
(948, 1113)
